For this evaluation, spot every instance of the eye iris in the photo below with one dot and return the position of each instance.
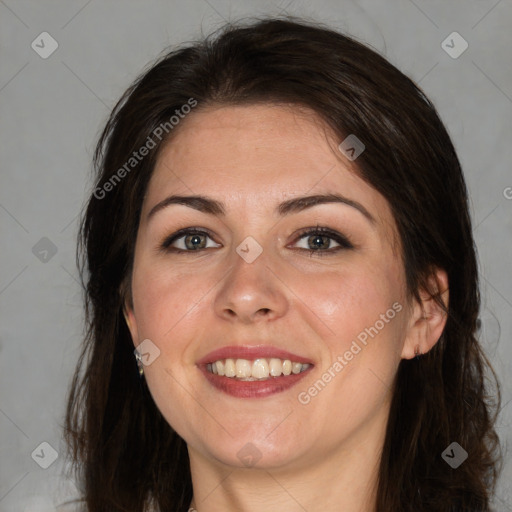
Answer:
(196, 241)
(316, 238)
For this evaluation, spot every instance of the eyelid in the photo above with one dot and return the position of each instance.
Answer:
(332, 233)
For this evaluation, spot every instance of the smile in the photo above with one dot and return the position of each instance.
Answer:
(253, 371)
(258, 369)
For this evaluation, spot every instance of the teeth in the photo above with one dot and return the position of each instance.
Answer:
(259, 369)
(229, 368)
(296, 368)
(243, 368)
(275, 367)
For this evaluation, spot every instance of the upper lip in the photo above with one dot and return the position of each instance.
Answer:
(251, 352)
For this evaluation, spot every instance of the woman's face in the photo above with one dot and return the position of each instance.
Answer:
(249, 289)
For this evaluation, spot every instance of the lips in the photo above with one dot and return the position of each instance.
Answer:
(242, 386)
(251, 352)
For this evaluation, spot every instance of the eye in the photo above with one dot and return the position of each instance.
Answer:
(187, 240)
(318, 240)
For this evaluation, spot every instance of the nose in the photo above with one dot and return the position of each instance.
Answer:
(251, 292)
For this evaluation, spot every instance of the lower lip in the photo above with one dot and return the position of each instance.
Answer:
(253, 389)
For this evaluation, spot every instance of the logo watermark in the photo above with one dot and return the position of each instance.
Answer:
(454, 455)
(454, 45)
(352, 147)
(305, 397)
(143, 151)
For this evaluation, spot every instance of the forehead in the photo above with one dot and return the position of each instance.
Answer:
(256, 156)
(252, 140)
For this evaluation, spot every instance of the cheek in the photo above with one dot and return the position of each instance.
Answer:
(364, 310)
(167, 313)
(162, 297)
(350, 300)
(173, 309)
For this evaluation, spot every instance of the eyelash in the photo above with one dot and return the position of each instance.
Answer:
(343, 241)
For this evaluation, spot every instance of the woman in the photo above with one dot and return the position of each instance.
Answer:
(282, 292)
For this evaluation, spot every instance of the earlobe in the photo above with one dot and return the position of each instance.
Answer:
(428, 318)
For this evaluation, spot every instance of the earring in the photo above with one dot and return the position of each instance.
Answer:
(417, 353)
(140, 365)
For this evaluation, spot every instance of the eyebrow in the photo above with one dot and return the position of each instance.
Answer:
(213, 207)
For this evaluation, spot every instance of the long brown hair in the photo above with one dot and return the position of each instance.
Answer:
(126, 454)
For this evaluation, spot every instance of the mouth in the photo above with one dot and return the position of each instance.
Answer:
(252, 372)
(259, 369)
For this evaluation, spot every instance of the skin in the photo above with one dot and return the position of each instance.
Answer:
(252, 158)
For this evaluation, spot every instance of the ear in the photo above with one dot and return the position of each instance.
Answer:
(131, 323)
(428, 318)
(129, 315)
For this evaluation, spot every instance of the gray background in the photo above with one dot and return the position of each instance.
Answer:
(53, 109)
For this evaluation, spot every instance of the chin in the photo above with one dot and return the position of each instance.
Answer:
(256, 449)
